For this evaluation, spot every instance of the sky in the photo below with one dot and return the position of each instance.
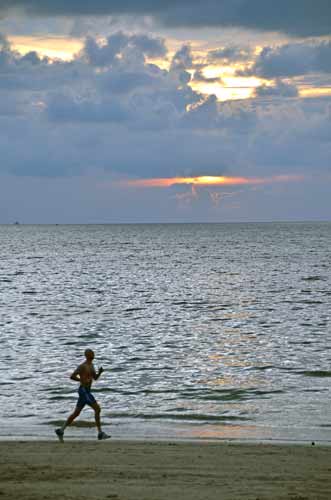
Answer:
(165, 111)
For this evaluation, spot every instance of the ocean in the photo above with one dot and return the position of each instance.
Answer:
(205, 331)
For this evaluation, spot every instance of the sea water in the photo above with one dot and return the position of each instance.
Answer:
(204, 330)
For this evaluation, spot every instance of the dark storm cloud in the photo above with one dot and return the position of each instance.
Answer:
(296, 17)
(293, 60)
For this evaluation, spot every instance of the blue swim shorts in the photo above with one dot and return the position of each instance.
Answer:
(85, 397)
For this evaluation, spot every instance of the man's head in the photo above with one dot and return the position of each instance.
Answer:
(89, 354)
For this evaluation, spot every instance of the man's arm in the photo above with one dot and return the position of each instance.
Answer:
(76, 375)
(97, 375)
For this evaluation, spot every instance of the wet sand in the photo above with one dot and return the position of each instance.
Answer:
(151, 470)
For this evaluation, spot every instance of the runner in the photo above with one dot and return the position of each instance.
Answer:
(85, 374)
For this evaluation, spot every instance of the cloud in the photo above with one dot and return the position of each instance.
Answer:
(132, 119)
(4, 44)
(278, 89)
(107, 53)
(10, 104)
(125, 81)
(218, 197)
(64, 108)
(200, 77)
(296, 17)
(292, 59)
(181, 61)
(32, 72)
(128, 90)
(230, 53)
(186, 198)
(183, 58)
(150, 46)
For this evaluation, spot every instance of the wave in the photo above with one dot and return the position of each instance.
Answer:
(76, 423)
(314, 278)
(179, 416)
(315, 373)
(262, 368)
(185, 417)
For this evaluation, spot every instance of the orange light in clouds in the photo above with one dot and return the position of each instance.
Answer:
(51, 46)
(210, 180)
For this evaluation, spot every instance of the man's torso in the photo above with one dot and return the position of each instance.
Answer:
(86, 373)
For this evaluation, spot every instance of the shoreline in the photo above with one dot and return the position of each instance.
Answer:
(180, 440)
(163, 470)
(138, 430)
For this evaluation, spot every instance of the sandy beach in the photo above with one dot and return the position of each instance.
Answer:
(151, 470)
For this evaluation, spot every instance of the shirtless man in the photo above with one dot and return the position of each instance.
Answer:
(85, 374)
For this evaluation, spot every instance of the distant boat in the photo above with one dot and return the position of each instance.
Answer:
(16, 223)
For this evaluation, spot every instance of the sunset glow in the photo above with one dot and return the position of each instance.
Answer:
(315, 92)
(165, 111)
(63, 48)
(210, 180)
(229, 87)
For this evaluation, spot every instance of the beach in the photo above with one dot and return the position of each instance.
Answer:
(162, 470)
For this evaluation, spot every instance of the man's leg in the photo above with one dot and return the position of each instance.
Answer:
(60, 432)
(72, 417)
(97, 411)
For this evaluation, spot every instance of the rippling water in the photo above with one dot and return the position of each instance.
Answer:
(204, 330)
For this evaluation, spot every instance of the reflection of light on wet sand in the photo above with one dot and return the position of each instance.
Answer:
(227, 431)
